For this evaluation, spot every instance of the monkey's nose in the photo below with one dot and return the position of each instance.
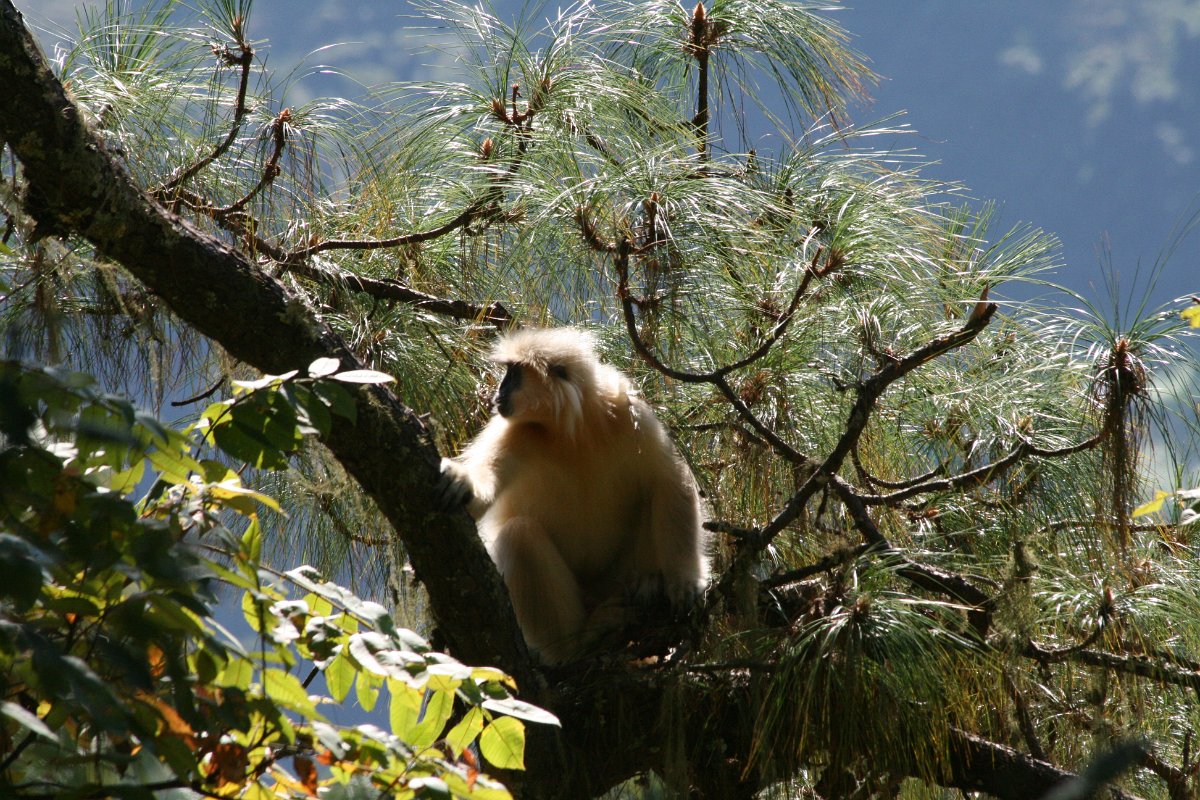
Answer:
(501, 404)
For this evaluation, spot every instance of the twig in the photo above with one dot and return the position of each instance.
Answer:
(493, 313)
(824, 565)
(244, 57)
(270, 170)
(464, 217)
(1129, 664)
(202, 396)
(981, 475)
(871, 479)
(1024, 719)
(980, 603)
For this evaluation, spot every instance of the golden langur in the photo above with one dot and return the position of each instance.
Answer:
(578, 494)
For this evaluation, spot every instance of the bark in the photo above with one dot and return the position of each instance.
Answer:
(618, 720)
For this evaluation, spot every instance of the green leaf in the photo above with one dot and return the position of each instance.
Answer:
(253, 609)
(237, 674)
(312, 414)
(252, 541)
(173, 466)
(323, 367)
(366, 689)
(519, 708)
(337, 399)
(286, 690)
(434, 716)
(363, 376)
(126, 481)
(26, 719)
(503, 743)
(404, 710)
(23, 574)
(260, 429)
(265, 381)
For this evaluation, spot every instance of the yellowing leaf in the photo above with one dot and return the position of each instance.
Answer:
(1153, 506)
(286, 690)
(226, 490)
(461, 735)
(1191, 315)
(257, 791)
(503, 743)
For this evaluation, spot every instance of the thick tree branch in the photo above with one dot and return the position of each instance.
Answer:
(1160, 670)
(982, 766)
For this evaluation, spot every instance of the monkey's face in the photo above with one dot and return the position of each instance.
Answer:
(528, 394)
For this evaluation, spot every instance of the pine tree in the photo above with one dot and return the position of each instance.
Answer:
(928, 572)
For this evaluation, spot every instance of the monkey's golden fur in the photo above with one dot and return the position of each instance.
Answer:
(578, 494)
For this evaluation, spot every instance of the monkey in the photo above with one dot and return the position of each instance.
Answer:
(578, 494)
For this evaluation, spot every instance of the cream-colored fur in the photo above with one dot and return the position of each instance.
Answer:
(578, 493)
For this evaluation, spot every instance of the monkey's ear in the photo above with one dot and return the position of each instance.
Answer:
(558, 371)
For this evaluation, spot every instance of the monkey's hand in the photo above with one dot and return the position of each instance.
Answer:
(682, 592)
(675, 594)
(454, 489)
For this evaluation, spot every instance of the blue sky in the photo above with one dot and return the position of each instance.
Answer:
(1081, 117)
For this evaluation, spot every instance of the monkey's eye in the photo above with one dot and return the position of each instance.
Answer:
(558, 371)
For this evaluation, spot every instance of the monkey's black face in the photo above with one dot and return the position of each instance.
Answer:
(503, 400)
(528, 394)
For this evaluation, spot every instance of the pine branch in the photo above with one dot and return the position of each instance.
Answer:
(242, 57)
(385, 289)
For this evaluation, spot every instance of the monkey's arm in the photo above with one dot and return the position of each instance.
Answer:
(470, 478)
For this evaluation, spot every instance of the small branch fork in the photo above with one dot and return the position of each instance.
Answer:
(234, 217)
